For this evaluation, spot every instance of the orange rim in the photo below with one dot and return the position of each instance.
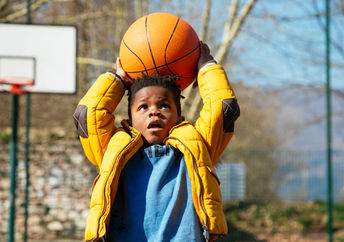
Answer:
(17, 84)
(15, 80)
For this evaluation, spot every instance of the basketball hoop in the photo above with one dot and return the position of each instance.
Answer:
(18, 85)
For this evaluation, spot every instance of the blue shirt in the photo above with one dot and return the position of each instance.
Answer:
(154, 199)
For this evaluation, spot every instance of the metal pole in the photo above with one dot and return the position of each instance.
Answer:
(328, 121)
(28, 7)
(13, 165)
(27, 164)
(27, 144)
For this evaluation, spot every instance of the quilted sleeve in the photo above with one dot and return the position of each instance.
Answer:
(219, 112)
(93, 117)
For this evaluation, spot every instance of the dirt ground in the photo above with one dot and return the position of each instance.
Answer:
(314, 237)
(300, 237)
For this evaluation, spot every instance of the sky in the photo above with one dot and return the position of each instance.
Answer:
(270, 52)
(289, 50)
(281, 50)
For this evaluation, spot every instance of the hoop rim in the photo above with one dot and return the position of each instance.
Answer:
(16, 80)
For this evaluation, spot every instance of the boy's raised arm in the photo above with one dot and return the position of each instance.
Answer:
(220, 107)
(94, 117)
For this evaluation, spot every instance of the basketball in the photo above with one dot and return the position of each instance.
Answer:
(160, 43)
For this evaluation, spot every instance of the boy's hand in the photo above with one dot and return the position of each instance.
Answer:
(122, 74)
(205, 57)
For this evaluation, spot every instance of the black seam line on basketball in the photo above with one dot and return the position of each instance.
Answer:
(137, 58)
(168, 42)
(186, 77)
(150, 49)
(167, 63)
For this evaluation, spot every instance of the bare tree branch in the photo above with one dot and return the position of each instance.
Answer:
(233, 11)
(96, 62)
(230, 33)
(91, 15)
(22, 10)
(193, 97)
(338, 92)
(314, 121)
(206, 15)
(141, 8)
(3, 3)
(334, 43)
(231, 30)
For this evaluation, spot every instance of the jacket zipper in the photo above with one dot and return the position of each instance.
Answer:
(204, 225)
(105, 201)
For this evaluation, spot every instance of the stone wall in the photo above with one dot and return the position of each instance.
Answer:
(61, 178)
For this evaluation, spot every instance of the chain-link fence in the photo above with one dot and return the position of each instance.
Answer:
(295, 176)
(61, 180)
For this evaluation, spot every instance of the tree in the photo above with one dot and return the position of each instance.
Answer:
(17, 10)
(232, 26)
(101, 25)
(298, 36)
(256, 140)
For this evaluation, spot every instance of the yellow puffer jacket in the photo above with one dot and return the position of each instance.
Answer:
(109, 147)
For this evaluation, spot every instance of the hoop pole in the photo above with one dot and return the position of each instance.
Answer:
(27, 145)
(27, 164)
(328, 122)
(13, 165)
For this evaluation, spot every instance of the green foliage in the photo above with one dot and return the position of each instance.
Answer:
(339, 212)
(276, 217)
(304, 222)
(322, 205)
(4, 137)
(291, 212)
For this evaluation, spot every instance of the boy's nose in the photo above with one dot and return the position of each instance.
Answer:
(154, 112)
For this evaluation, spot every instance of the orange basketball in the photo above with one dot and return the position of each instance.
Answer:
(160, 43)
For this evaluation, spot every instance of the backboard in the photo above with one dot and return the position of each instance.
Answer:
(44, 53)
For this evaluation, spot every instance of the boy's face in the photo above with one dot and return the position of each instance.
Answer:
(154, 113)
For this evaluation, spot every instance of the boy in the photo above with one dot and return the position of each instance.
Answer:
(156, 179)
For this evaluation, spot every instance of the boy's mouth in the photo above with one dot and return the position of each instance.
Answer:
(154, 125)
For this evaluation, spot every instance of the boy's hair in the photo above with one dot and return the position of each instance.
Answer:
(168, 82)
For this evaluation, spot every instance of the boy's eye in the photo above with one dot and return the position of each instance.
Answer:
(142, 107)
(164, 105)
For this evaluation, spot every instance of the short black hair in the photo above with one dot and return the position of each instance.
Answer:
(168, 82)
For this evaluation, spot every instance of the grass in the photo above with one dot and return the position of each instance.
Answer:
(246, 220)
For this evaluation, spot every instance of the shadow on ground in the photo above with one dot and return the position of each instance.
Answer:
(235, 234)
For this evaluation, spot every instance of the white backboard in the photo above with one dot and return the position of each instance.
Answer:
(44, 53)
